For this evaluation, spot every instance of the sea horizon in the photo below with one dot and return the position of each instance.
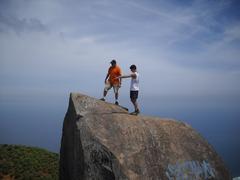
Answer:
(37, 121)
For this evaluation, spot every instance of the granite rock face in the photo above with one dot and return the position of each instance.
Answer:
(102, 141)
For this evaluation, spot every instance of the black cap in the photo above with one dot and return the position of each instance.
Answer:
(113, 61)
(133, 66)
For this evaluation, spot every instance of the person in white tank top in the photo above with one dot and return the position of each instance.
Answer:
(134, 87)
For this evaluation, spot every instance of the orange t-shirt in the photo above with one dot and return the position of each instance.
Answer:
(113, 73)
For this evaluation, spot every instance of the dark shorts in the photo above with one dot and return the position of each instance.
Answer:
(134, 95)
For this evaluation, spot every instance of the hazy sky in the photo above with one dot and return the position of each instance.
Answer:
(180, 47)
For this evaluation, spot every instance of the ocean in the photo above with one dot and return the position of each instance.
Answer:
(37, 120)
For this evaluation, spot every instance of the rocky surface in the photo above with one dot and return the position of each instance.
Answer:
(102, 141)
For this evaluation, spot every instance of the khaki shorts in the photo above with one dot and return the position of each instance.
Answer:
(115, 87)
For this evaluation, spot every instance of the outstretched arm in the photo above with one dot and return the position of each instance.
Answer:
(127, 76)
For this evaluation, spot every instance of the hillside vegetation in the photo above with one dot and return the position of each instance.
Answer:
(21, 162)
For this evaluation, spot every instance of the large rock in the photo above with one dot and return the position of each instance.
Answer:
(102, 141)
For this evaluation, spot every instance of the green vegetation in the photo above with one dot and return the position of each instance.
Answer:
(21, 162)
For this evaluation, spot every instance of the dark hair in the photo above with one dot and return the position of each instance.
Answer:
(133, 67)
(113, 61)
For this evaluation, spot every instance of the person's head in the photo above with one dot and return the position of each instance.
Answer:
(133, 68)
(113, 62)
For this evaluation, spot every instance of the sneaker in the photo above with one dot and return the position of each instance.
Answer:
(116, 103)
(102, 99)
(137, 111)
(133, 113)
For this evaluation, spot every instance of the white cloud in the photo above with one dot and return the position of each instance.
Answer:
(175, 48)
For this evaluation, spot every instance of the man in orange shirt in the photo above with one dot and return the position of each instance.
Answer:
(111, 80)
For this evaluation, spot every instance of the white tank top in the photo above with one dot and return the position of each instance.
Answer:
(135, 83)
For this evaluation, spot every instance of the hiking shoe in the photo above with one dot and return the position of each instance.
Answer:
(116, 103)
(135, 112)
(102, 99)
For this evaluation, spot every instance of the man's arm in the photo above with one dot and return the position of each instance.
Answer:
(105, 81)
(120, 79)
(127, 76)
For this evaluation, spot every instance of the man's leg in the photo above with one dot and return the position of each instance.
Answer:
(116, 88)
(133, 97)
(135, 104)
(105, 91)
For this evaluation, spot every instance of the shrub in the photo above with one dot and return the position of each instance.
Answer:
(24, 162)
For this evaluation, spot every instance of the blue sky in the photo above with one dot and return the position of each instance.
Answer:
(180, 47)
